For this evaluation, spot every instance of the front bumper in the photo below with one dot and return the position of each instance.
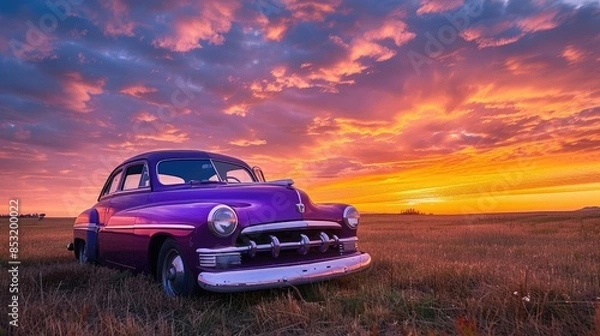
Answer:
(282, 276)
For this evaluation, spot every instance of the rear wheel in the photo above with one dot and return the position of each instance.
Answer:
(174, 275)
(82, 256)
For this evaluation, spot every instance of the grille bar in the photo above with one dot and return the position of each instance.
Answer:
(293, 225)
(275, 246)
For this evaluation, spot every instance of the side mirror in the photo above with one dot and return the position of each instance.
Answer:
(259, 174)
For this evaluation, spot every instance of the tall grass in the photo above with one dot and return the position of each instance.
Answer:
(432, 275)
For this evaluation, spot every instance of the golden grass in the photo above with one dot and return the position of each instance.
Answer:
(432, 275)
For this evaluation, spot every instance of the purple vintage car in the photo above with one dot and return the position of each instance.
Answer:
(198, 219)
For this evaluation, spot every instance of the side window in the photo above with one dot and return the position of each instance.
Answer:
(134, 177)
(114, 183)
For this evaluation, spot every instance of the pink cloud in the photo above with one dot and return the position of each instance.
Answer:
(137, 91)
(573, 54)
(144, 116)
(494, 35)
(541, 21)
(274, 30)
(361, 48)
(212, 21)
(438, 6)
(313, 10)
(79, 91)
(118, 23)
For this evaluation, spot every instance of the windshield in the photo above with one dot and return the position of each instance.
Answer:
(184, 171)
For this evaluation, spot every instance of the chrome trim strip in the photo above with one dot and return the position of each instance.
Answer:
(150, 226)
(118, 227)
(275, 246)
(282, 276)
(283, 226)
(163, 226)
(129, 191)
(86, 227)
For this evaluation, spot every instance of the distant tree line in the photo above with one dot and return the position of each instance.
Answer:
(413, 212)
(28, 215)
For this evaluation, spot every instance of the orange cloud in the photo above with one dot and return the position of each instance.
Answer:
(237, 109)
(168, 133)
(275, 30)
(248, 143)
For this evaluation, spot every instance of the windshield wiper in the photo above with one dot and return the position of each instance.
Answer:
(202, 182)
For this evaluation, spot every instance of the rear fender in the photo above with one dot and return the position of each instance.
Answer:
(86, 229)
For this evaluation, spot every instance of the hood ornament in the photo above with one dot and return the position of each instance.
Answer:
(299, 206)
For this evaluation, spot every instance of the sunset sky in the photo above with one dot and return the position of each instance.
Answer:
(445, 106)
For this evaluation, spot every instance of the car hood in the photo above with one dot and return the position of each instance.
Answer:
(255, 203)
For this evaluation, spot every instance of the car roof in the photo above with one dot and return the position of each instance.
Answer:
(154, 157)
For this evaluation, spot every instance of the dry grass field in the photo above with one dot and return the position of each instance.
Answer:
(518, 274)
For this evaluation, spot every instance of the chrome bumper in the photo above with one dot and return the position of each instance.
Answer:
(282, 276)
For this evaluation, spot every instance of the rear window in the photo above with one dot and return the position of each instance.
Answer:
(136, 177)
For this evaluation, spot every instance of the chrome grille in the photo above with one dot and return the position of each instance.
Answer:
(278, 240)
(210, 257)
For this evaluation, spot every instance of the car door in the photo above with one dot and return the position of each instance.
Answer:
(107, 246)
(122, 212)
(94, 253)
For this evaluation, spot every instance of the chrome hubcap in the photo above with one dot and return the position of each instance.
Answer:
(173, 274)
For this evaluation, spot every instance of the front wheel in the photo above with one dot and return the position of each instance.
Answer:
(174, 275)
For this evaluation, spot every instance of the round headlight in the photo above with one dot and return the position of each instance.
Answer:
(351, 217)
(222, 220)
